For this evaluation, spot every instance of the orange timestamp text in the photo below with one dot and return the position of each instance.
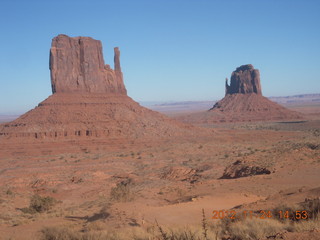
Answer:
(261, 214)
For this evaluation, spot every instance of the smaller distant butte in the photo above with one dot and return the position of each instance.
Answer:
(245, 79)
(243, 102)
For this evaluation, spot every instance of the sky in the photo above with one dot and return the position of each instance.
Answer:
(171, 50)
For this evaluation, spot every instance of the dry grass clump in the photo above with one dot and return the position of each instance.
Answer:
(205, 232)
(65, 233)
(40, 204)
(308, 210)
(61, 233)
(249, 229)
(303, 226)
(312, 206)
(285, 208)
(239, 229)
(122, 192)
(99, 231)
(255, 228)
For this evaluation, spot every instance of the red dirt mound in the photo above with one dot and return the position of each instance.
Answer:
(91, 115)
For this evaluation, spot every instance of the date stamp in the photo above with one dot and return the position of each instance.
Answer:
(261, 214)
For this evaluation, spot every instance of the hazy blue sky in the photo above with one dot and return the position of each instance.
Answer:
(171, 50)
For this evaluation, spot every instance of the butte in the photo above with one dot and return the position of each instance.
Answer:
(89, 100)
(243, 102)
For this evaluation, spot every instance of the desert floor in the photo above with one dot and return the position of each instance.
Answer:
(122, 185)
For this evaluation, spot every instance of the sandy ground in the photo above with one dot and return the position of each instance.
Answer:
(169, 181)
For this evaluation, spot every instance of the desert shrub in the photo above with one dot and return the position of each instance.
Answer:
(255, 228)
(59, 233)
(64, 233)
(312, 206)
(40, 204)
(9, 192)
(204, 232)
(290, 209)
(302, 226)
(122, 192)
(313, 146)
(187, 233)
(95, 226)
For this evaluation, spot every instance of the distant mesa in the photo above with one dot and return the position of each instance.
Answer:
(243, 102)
(89, 100)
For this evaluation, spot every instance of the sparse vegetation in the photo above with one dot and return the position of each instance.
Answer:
(306, 226)
(285, 208)
(188, 233)
(255, 228)
(40, 204)
(122, 192)
(204, 226)
(312, 206)
(238, 229)
(86, 214)
(9, 192)
(61, 233)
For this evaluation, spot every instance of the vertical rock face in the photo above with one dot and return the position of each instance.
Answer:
(77, 65)
(245, 79)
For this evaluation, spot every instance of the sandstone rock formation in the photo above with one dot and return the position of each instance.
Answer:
(181, 174)
(89, 100)
(243, 102)
(77, 65)
(245, 79)
(243, 169)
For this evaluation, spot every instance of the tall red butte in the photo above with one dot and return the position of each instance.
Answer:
(243, 102)
(89, 100)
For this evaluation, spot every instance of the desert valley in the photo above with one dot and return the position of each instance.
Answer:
(91, 163)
